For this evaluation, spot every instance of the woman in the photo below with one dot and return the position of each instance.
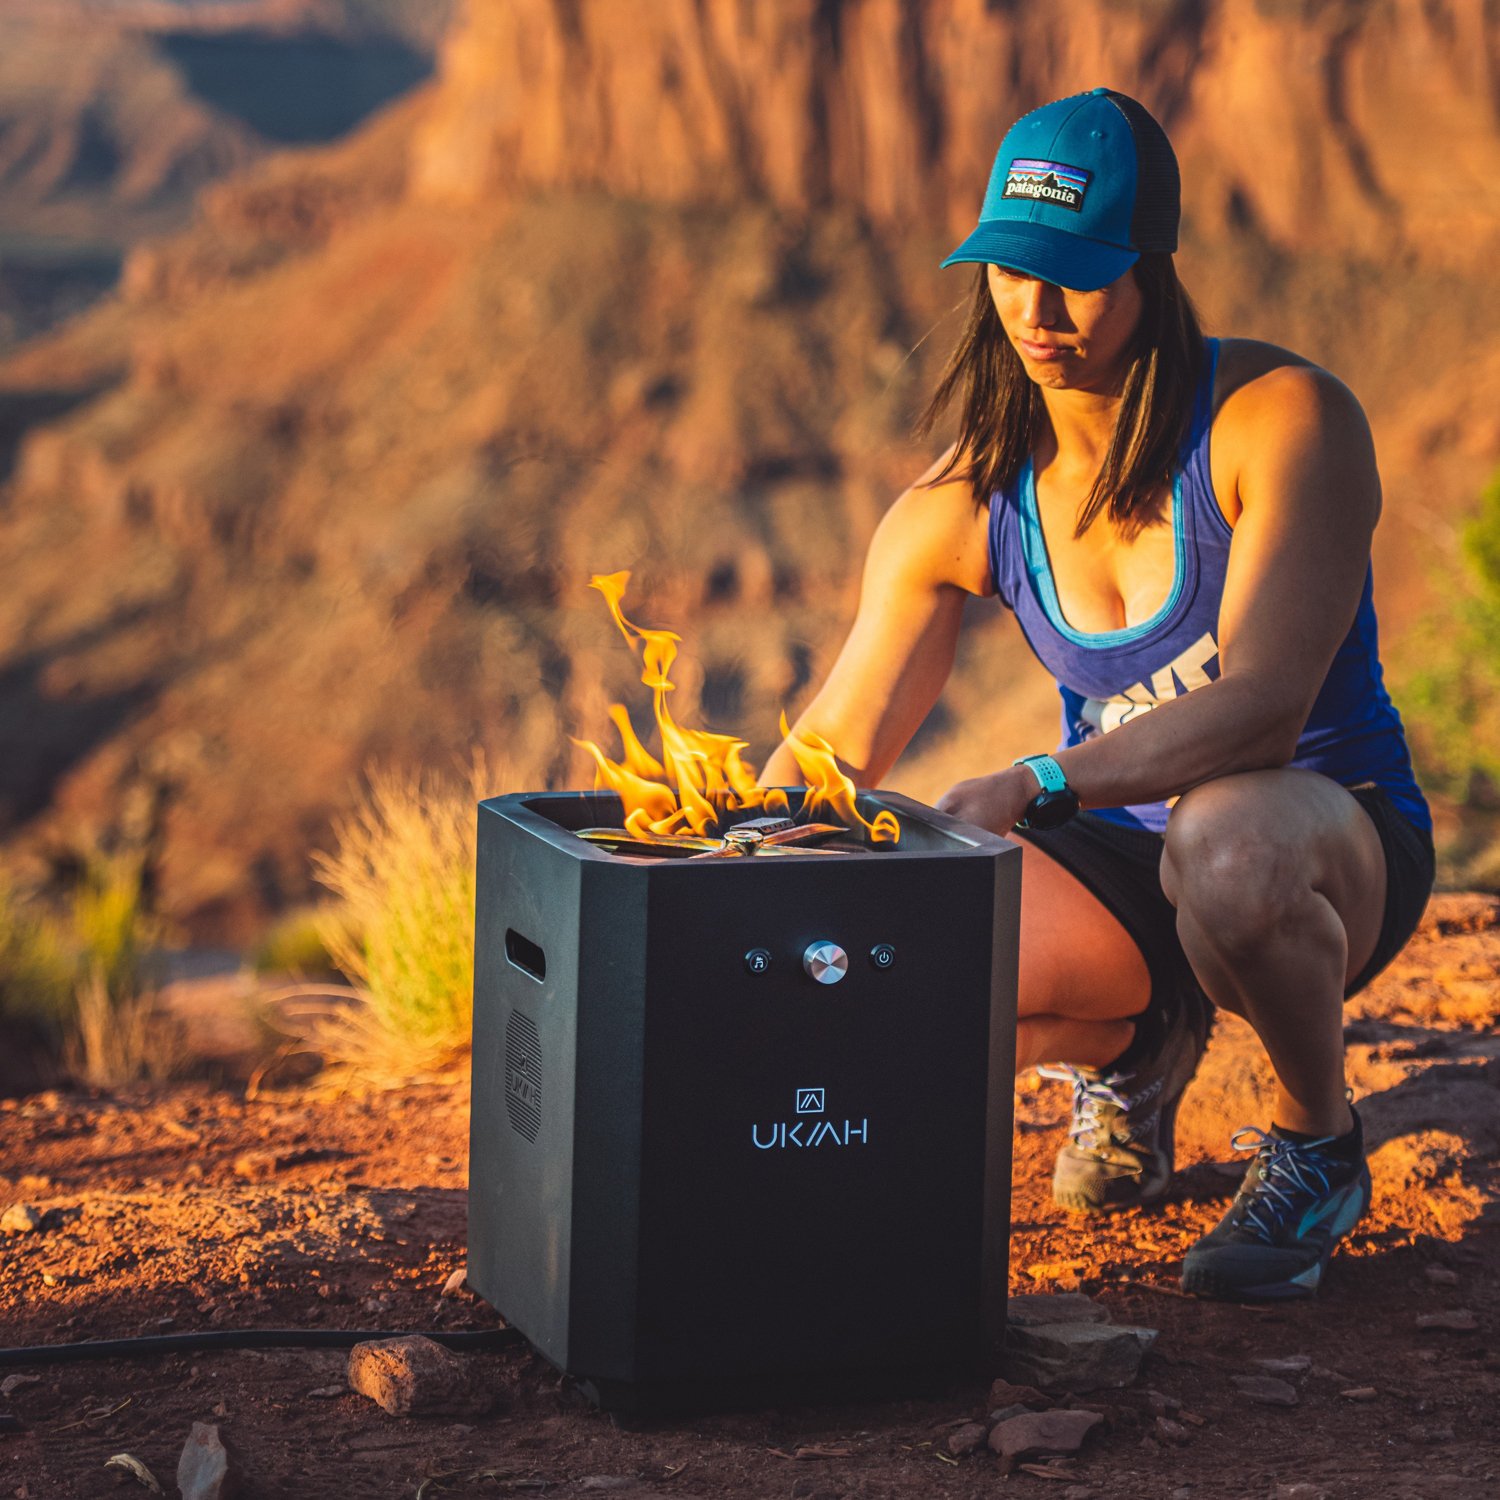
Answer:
(1182, 527)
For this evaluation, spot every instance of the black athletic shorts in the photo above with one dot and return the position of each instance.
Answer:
(1122, 867)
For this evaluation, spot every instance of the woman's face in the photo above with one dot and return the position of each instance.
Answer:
(1068, 340)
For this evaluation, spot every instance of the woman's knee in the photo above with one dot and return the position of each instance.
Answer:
(1229, 859)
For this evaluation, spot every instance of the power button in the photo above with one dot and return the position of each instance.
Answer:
(882, 956)
(758, 960)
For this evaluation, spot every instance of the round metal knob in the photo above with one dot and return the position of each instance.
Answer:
(826, 962)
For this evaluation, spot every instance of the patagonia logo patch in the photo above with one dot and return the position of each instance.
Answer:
(1047, 182)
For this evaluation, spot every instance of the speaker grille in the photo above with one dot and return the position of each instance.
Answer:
(523, 1075)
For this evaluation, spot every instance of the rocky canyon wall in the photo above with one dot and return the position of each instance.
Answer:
(656, 287)
(1335, 126)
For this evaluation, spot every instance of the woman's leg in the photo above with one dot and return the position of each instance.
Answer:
(1279, 878)
(1082, 977)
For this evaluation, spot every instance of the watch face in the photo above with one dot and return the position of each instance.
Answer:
(1051, 809)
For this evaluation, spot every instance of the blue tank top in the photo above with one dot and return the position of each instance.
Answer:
(1106, 678)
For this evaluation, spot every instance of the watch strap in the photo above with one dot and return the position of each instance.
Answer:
(1050, 776)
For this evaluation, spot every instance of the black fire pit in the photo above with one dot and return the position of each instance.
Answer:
(741, 1127)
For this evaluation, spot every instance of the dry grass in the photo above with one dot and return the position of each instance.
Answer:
(117, 1040)
(79, 977)
(403, 926)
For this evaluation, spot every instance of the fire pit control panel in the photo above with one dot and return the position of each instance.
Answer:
(826, 962)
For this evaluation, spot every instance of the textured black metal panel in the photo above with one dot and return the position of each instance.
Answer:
(521, 1190)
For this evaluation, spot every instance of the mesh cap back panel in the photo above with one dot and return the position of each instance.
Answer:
(1158, 185)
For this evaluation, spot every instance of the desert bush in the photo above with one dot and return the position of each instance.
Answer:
(402, 929)
(121, 1037)
(37, 968)
(1450, 692)
(80, 978)
(294, 945)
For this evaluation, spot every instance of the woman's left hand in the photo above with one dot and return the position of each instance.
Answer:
(996, 802)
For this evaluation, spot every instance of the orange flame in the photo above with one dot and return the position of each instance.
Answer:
(709, 771)
(827, 786)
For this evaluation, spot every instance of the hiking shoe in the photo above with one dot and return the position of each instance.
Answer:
(1296, 1202)
(1120, 1138)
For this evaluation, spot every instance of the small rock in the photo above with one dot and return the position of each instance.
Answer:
(21, 1218)
(1064, 1274)
(1292, 1364)
(12, 1383)
(455, 1282)
(806, 1488)
(128, 1463)
(1440, 1275)
(1266, 1389)
(1005, 1413)
(203, 1470)
(1360, 1393)
(414, 1376)
(1039, 1309)
(1162, 1406)
(1043, 1432)
(967, 1439)
(1171, 1432)
(1182, 1492)
(1299, 1491)
(1076, 1356)
(1458, 1320)
(1432, 1435)
(256, 1166)
(1006, 1393)
(327, 1392)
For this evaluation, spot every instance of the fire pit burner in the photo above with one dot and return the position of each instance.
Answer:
(753, 836)
(741, 1125)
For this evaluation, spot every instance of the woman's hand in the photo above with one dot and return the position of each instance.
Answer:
(995, 802)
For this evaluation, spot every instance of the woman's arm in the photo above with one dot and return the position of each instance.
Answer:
(1308, 496)
(928, 554)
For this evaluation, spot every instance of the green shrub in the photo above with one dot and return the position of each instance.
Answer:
(1450, 693)
(80, 978)
(38, 970)
(294, 945)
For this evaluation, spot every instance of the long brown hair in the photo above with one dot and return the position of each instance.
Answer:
(1002, 412)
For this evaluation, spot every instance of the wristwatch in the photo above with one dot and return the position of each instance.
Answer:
(1056, 802)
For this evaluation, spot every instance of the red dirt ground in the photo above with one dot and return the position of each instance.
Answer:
(193, 1207)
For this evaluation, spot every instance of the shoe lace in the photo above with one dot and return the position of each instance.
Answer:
(1292, 1175)
(1092, 1093)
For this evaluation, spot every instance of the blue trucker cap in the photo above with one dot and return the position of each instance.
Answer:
(1080, 187)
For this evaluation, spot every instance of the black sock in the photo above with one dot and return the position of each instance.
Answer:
(1150, 1032)
(1348, 1147)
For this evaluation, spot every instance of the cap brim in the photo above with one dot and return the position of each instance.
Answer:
(1070, 260)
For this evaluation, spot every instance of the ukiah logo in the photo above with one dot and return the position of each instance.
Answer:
(807, 1129)
(1047, 182)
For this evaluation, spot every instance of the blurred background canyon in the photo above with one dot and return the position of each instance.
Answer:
(342, 340)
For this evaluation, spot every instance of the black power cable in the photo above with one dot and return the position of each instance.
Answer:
(247, 1338)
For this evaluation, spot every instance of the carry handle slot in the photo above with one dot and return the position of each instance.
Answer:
(525, 955)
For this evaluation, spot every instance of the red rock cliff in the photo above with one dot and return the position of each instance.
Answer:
(1334, 126)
